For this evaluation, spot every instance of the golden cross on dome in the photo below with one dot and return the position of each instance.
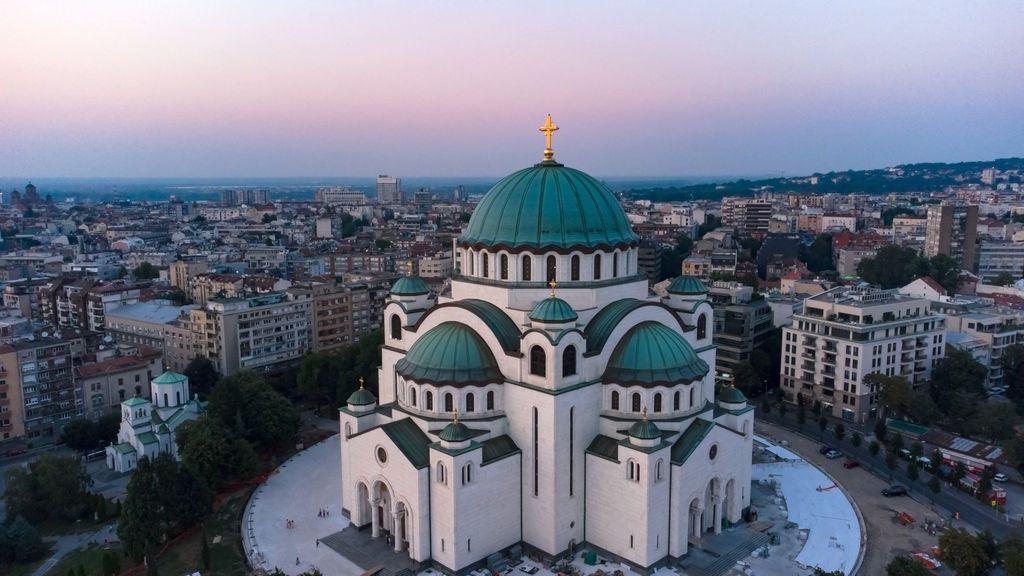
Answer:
(645, 413)
(553, 285)
(360, 382)
(456, 415)
(548, 129)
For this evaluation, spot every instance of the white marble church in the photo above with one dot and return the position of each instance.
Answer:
(551, 401)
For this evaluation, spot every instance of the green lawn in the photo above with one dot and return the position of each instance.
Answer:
(226, 556)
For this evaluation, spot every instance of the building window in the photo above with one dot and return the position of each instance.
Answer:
(657, 402)
(442, 473)
(636, 402)
(693, 396)
(702, 327)
(615, 265)
(527, 268)
(569, 361)
(597, 266)
(615, 400)
(470, 402)
(467, 473)
(504, 266)
(552, 269)
(572, 446)
(472, 263)
(490, 400)
(449, 405)
(428, 400)
(486, 261)
(538, 361)
(657, 470)
(396, 327)
(633, 470)
(536, 449)
(574, 267)
(675, 401)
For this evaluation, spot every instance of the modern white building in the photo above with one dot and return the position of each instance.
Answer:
(550, 401)
(148, 424)
(846, 333)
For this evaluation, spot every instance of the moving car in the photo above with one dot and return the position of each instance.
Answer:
(824, 449)
(850, 464)
(1000, 477)
(833, 454)
(894, 490)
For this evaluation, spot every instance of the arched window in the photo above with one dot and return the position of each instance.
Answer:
(657, 402)
(442, 473)
(467, 473)
(165, 399)
(486, 262)
(470, 402)
(412, 395)
(552, 269)
(693, 396)
(574, 267)
(504, 266)
(615, 400)
(633, 470)
(597, 266)
(449, 405)
(538, 361)
(490, 400)
(428, 400)
(635, 402)
(615, 265)
(396, 327)
(657, 470)
(702, 326)
(472, 263)
(527, 269)
(569, 361)
(675, 400)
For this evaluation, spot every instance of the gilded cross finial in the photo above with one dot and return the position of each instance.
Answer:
(456, 415)
(553, 285)
(360, 382)
(645, 413)
(548, 129)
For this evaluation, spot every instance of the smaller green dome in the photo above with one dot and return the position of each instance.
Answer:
(652, 353)
(362, 397)
(731, 395)
(410, 286)
(553, 310)
(170, 378)
(450, 353)
(455, 432)
(644, 430)
(687, 286)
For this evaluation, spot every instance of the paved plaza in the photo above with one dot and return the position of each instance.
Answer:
(303, 485)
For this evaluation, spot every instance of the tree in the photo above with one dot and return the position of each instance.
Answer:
(818, 256)
(904, 566)
(934, 485)
(111, 565)
(873, 448)
(1012, 551)
(146, 271)
(202, 375)
(205, 446)
(140, 524)
(957, 387)
(959, 472)
(52, 487)
(245, 403)
(896, 443)
(881, 431)
(935, 461)
(895, 394)
(912, 471)
(151, 565)
(856, 439)
(822, 425)
(1003, 279)
(839, 431)
(944, 270)
(782, 410)
(83, 434)
(995, 420)
(917, 449)
(20, 541)
(745, 379)
(989, 545)
(820, 572)
(204, 552)
(963, 553)
(766, 406)
(1013, 373)
(890, 460)
(801, 415)
(892, 267)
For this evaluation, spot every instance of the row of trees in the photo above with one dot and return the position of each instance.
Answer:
(84, 434)
(332, 378)
(895, 266)
(968, 555)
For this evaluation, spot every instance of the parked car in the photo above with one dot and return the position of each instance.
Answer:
(1000, 477)
(824, 449)
(833, 454)
(894, 490)
(850, 464)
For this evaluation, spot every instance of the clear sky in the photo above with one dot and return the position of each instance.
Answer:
(435, 88)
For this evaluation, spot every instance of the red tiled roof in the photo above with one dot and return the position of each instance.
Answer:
(933, 284)
(117, 365)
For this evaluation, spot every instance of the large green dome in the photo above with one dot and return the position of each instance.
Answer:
(450, 353)
(553, 311)
(410, 286)
(687, 286)
(548, 206)
(652, 353)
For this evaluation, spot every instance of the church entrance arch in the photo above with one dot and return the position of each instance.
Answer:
(381, 517)
(729, 502)
(696, 519)
(403, 527)
(363, 503)
(712, 521)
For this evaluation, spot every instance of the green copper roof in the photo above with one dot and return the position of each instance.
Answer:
(362, 397)
(644, 430)
(690, 439)
(504, 329)
(498, 448)
(601, 326)
(450, 353)
(455, 432)
(553, 310)
(651, 353)
(408, 437)
(687, 285)
(135, 401)
(169, 378)
(410, 286)
(731, 395)
(548, 206)
(148, 438)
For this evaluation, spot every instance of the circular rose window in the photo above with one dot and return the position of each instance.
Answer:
(713, 452)
(382, 456)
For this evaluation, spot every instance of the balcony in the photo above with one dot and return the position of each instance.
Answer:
(829, 359)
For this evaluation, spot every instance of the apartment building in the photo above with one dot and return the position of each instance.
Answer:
(995, 327)
(998, 257)
(107, 383)
(953, 230)
(37, 391)
(340, 195)
(181, 271)
(743, 320)
(845, 334)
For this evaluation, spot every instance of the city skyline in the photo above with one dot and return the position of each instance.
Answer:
(122, 90)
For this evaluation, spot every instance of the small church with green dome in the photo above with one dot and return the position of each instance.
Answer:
(550, 401)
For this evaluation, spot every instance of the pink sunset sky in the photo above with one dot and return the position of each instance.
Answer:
(319, 88)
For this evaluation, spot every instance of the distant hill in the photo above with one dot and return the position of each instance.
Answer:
(925, 177)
